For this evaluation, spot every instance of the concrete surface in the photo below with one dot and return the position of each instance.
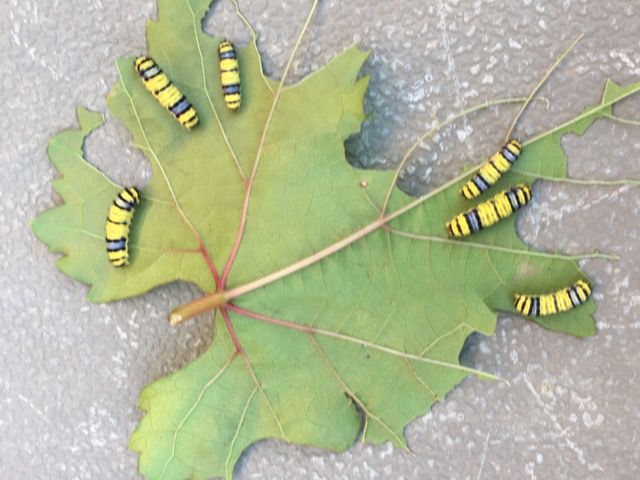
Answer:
(70, 372)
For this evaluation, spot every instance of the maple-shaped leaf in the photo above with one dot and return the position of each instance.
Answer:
(337, 314)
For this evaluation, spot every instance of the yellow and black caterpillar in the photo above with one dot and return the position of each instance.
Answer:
(556, 302)
(492, 170)
(118, 224)
(229, 75)
(490, 212)
(157, 82)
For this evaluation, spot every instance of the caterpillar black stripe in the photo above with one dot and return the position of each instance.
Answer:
(552, 303)
(167, 94)
(118, 225)
(229, 75)
(490, 212)
(491, 171)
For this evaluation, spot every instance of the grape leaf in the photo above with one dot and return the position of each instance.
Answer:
(334, 319)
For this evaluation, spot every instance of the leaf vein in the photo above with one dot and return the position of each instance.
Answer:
(352, 394)
(177, 205)
(206, 92)
(195, 404)
(228, 466)
(347, 338)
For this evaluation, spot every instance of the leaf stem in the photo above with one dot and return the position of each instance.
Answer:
(439, 126)
(539, 86)
(216, 300)
(256, 163)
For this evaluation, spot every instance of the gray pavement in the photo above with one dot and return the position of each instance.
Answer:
(70, 372)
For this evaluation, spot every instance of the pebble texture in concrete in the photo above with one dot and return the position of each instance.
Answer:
(70, 372)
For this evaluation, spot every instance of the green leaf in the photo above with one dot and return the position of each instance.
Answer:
(333, 320)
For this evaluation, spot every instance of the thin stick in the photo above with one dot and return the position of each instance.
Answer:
(539, 85)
